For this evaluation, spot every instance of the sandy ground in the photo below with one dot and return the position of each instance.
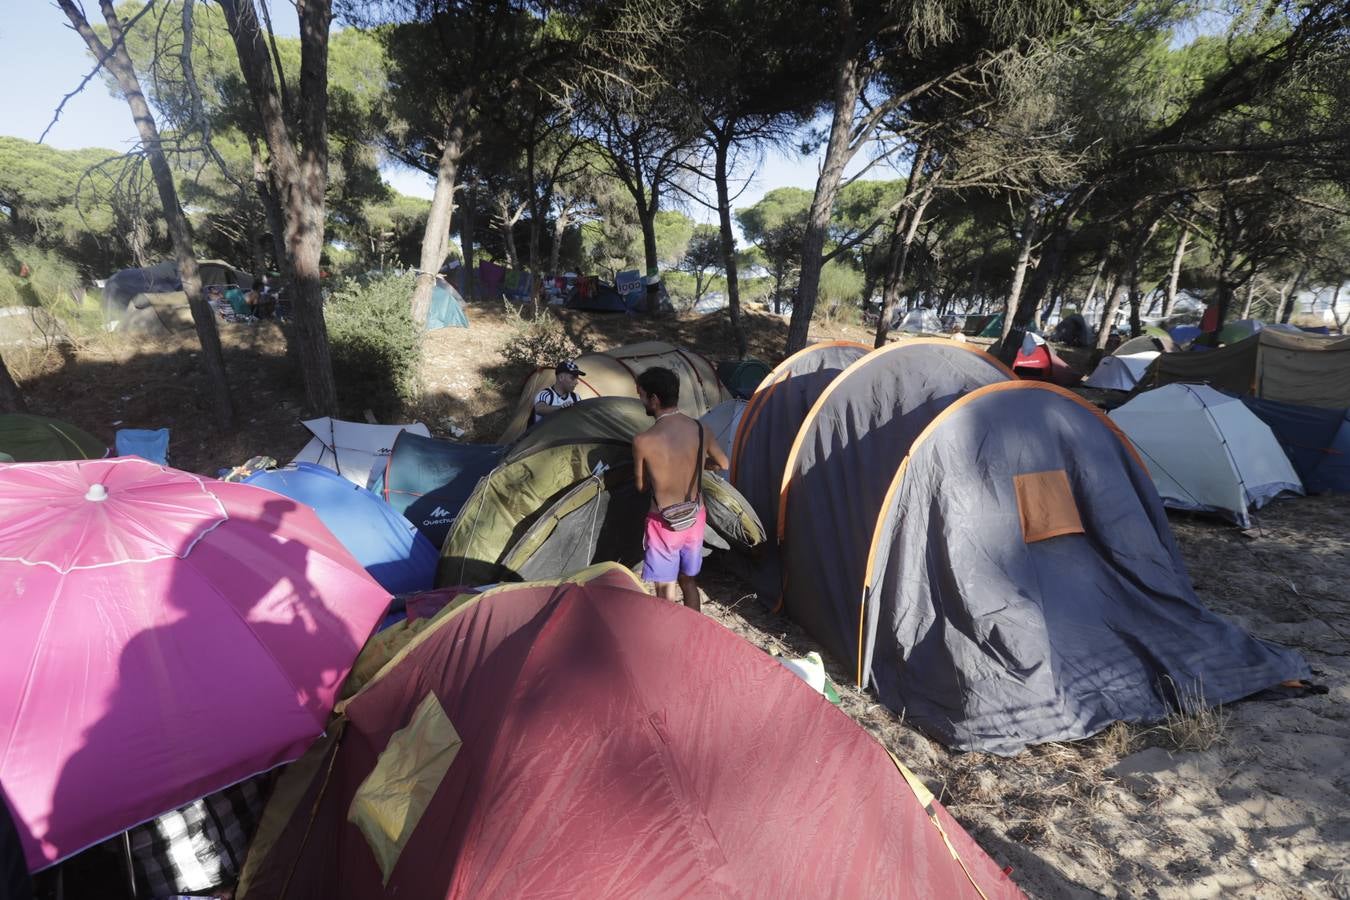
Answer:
(1259, 812)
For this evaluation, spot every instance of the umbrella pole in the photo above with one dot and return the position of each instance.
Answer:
(126, 861)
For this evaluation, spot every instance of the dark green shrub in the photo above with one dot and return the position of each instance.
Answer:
(375, 346)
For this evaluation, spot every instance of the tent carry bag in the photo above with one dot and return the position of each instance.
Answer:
(679, 516)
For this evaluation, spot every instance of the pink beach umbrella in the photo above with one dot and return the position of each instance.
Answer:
(161, 637)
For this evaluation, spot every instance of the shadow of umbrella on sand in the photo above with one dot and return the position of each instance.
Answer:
(164, 637)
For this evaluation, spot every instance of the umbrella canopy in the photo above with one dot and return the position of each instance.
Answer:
(164, 638)
(25, 438)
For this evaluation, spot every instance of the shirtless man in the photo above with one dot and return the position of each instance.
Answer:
(666, 460)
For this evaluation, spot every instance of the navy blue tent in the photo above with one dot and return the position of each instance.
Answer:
(428, 480)
(381, 540)
(1316, 440)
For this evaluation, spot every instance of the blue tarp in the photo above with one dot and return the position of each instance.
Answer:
(447, 308)
(147, 443)
(1316, 440)
(385, 543)
(428, 480)
(1183, 333)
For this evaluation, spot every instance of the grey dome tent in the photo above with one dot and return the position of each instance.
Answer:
(1023, 584)
(723, 420)
(775, 412)
(848, 447)
(563, 498)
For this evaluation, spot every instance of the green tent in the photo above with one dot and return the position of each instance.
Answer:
(25, 438)
(993, 328)
(742, 376)
(447, 307)
(564, 498)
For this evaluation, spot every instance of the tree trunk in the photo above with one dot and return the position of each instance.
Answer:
(1030, 227)
(1118, 292)
(436, 237)
(467, 225)
(902, 238)
(1136, 258)
(837, 155)
(267, 196)
(300, 174)
(11, 398)
(1251, 295)
(1336, 302)
(559, 231)
(118, 62)
(1289, 296)
(1174, 277)
(647, 216)
(728, 243)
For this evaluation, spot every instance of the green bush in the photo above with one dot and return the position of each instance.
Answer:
(540, 340)
(376, 347)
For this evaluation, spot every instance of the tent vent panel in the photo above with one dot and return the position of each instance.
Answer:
(1046, 505)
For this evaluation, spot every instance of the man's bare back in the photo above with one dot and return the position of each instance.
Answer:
(667, 460)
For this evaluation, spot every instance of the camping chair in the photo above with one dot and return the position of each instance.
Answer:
(147, 443)
(238, 304)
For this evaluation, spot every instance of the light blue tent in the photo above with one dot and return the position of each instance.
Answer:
(386, 544)
(447, 307)
(147, 443)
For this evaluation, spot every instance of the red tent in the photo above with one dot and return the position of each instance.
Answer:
(588, 740)
(1036, 361)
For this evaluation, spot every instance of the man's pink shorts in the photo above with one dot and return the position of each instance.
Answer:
(673, 553)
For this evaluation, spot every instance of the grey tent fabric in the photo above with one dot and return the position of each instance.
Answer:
(770, 422)
(1305, 369)
(990, 642)
(846, 452)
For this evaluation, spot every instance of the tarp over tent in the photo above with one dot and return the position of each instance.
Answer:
(1206, 451)
(29, 438)
(597, 296)
(849, 445)
(1024, 585)
(564, 492)
(614, 373)
(1317, 442)
(382, 541)
(351, 448)
(1121, 373)
(584, 739)
(1303, 369)
(775, 412)
(428, 480)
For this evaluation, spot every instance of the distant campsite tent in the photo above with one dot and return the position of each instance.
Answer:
(1303, 369)
(121, 286)
(156, 314)
(1206, 451)
(1038, 360)
(614, 374)
(1041, 596)
(351, 448)
(383, 542)
(723, 420)
(742, 376)
(428, 480)
(1121, 372)
(1072, 330)
(447, 307)
(1317, 442)
(711, 302)
(1240, 330)
(584, 739)
(849, 445)
(1184, 334)
(28, 438)
(921, 321)
(563, 498)
(775, 412)
(994, 327)
(600, 297)
(151, 300)
(1149, 342)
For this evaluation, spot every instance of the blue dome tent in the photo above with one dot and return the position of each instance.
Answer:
(384, 542)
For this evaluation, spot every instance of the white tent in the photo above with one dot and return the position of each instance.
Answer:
(351, 448)
(1206, 451)
(1120, 373)
(711, 302)
(723, 419)
(920, 321)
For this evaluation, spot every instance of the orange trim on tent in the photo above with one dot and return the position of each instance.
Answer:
(778, 374)
(933, 426)
(830, 388)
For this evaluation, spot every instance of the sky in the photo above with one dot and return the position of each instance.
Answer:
(42, 59)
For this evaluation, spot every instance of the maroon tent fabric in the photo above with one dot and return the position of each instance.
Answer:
(614, 745)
